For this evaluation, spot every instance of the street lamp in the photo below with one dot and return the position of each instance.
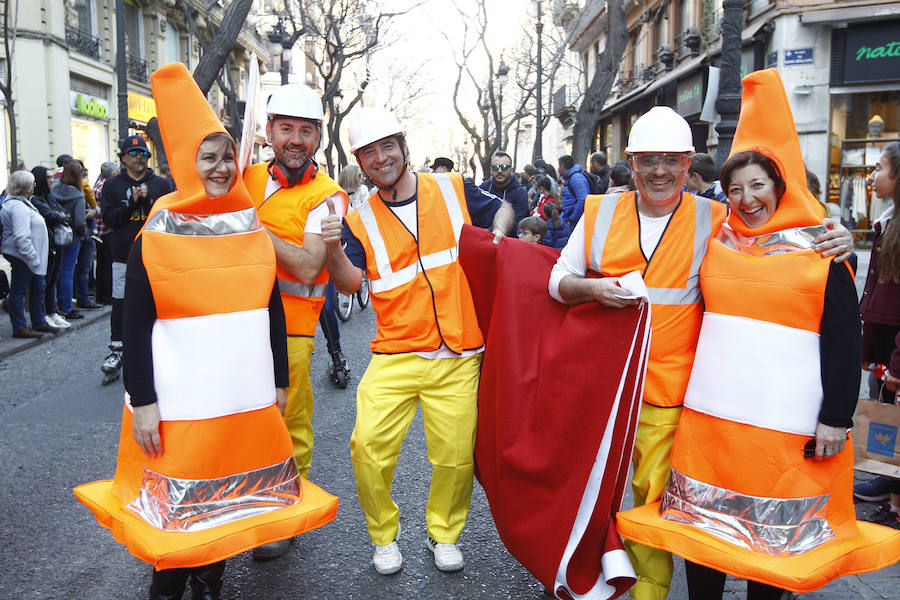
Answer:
(728, 103)
(502, 75)
(282, 42)
(534, 9)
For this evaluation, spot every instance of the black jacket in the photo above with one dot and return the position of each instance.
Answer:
(124, 217)
(513, 193)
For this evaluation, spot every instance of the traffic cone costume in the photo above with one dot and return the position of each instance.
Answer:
(741, 497)
(226, 481)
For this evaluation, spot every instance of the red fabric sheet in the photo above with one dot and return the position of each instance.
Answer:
(549, 383)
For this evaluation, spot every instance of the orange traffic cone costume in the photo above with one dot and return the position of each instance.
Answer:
(226, 481)
(741, 497)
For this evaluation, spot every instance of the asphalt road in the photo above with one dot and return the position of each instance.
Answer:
(59, 428)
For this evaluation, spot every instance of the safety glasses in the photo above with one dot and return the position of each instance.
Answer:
(647, 163)
(503, 168)
(142, 153)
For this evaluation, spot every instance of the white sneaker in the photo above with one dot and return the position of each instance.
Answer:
(57, 320)
(387, 559)
(447, 557)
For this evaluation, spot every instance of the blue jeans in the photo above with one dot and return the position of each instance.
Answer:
(23, 280)
(66, 276)
(83, 270)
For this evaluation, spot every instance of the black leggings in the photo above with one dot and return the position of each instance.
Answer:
(708, 584)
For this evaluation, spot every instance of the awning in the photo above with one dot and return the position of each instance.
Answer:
(846, 14)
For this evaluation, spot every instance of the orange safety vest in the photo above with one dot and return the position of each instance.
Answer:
(671, 275)
(741, 498)
(226, 480)
(419, 291)
(284, 213)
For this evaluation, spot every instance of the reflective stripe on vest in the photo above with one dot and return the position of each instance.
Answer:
(167, 221)
(389, 279)
(302, 290)
(690, 294)
(770, 525)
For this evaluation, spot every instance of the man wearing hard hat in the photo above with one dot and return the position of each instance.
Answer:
(661, 232)
(289, 193)
(428, 347)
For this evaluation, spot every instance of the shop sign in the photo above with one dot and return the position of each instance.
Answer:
(798, 56)
(141, 108)
(772, 60)
(91, 106)
(872, 53)
(689, 98)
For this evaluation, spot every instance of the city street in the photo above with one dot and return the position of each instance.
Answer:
(59, 428)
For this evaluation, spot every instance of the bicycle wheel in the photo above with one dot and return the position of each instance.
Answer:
(343, 305)
(362, 294)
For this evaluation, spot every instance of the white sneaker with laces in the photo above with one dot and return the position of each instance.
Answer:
(447, 557)
(387, 559)
(57, 320)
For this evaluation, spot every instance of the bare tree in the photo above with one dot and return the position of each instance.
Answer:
(6, 85)
(601, 83)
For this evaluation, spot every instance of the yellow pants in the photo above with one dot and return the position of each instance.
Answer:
(298, 411)
(652, 448)
(386, 401)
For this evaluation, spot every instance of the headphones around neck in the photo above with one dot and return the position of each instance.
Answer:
(282, 174)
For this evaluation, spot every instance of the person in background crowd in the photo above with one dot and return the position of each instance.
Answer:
(69, 194)
(54, 215)
(703, 178)
(125, 202)
(600, 168)
(428, 346)
(442, 164)
(103, 290)
(526, 176)
(575, 189)
(505, 186)
(880, 309)
(542, 168)
(620, 180)
(84, 264)
(25, 244)
(545, 195)
(558, 231)
(532, 230)
(351, 181)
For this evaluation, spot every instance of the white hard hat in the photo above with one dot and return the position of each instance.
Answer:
(369, 124)
(660, 129)
(295, 100)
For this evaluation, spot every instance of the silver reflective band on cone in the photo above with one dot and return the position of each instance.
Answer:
(167, 221)
(770, 525)
(768, 244)
(195, 504)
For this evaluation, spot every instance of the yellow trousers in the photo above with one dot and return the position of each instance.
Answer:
(386, 400)
(650, 462)
(298, 411)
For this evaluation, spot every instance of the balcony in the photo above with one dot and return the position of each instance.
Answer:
(137, 68)
(663, 59)
(564, 107)
(83, 42)
(687, 44)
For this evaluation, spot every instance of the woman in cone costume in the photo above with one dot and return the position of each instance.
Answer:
(761, 475)
(205, 468)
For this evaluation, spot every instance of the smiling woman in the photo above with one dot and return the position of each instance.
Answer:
(216, 164)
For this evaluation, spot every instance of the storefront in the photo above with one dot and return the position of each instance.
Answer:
(141, 109)
(865, 114)
(89, 103)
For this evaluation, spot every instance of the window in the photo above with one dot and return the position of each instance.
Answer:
(173, 44)
(80, 16)
(133, 28)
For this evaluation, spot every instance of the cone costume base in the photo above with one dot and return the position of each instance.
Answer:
(873, 548)
(168, 549)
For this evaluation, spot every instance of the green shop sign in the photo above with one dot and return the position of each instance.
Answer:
(90, 106)
(872, 53)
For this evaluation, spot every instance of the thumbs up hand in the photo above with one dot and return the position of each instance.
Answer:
(332, 224)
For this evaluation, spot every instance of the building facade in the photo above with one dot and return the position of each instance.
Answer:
(840, 62)
(64, 72)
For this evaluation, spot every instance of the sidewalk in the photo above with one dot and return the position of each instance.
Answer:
(10, 345)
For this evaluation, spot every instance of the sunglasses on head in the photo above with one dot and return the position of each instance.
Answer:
(500, 167)
(143, 153)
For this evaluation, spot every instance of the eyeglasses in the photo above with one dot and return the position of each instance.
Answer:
(503, 168)
(142, 153)
(647, 163)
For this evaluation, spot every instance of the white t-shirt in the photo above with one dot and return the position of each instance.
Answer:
(314, 219)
